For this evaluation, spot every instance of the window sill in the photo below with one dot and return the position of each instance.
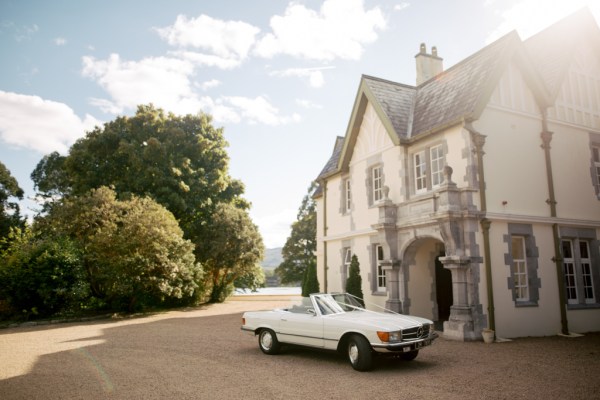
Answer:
(379, 293)
(520, 304)
(583, 306)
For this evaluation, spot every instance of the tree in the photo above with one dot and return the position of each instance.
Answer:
(133, 250)
(178, 161)
(310, 283)
(300, 247)
(233, 249)
(354, 281)
(9, 210)
(41, 276)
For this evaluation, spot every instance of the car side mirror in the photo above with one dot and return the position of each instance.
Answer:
(311, 311)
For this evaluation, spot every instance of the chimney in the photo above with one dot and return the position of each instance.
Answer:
(428, 65)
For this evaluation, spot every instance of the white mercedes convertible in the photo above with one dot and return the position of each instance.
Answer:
(340, 322)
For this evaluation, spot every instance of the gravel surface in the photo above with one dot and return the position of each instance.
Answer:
(201, 353)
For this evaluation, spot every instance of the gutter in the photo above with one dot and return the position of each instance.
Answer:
(324, 183)
(551, 201)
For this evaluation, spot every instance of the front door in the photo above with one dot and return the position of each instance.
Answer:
(443, 290)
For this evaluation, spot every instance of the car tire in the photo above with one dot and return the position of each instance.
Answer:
(267, 341)
(360, 353)
(411, 355)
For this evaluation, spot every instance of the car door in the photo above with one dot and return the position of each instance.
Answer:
(304, 328)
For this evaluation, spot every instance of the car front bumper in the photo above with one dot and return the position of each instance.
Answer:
(404, 347)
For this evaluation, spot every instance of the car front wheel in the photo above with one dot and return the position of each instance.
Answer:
(360, 353)
(267, 341)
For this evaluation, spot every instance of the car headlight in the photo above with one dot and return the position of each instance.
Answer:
(389, 337)
(431, 330)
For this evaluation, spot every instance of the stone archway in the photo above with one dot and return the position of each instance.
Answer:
(448, 217)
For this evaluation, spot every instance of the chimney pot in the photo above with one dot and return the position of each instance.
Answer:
(428, 65)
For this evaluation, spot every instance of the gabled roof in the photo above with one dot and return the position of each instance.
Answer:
(396, 101)
(462, 92)
(551, 50)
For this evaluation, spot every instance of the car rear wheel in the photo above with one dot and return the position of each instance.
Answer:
(360, 353)
(267, 341)
(411, 355)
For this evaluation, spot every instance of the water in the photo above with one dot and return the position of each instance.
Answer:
(270, 291)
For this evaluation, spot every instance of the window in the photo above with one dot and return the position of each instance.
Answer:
(595, 162)
(346, 266)
(381, 281)
(577, 265)
(377, 179)
(437, 165)
(519, 269)
(420, 172)
(428, 168)
(522, 263)
(347, 196)
(596, 166)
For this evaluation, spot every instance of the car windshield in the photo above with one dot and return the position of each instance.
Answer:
(348, 302)
(327, 304)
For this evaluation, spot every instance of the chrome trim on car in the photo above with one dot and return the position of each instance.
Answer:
(401, 346)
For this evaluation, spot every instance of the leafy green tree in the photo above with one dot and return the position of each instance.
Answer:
(134, 252)
(50, 177)
(9, 210)
(300, 247)
(41, 276)
(310, 283)
(232, 250)
(179, 161)
(354, 281)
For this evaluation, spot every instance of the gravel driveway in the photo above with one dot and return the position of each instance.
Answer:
(203, 354)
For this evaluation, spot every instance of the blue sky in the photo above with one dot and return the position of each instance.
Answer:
(279, 76)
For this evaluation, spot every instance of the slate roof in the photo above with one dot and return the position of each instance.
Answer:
(461, 92)
(456, 92)
(395, 99)
(331, 165)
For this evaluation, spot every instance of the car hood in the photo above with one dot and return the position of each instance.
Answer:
(384, 321)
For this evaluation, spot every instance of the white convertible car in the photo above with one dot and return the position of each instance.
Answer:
(339, 322)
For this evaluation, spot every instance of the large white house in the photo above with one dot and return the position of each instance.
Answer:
(473, 198)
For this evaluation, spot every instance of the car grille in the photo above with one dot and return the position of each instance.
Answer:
(415, 333)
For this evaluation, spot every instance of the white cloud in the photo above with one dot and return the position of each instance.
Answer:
(20, 33)
(163, 81)
(308, 104)
(401, 6)
(226, 42)
(167, 83)
(529, 17)
(207, 60)
(41, 125)
(60, 41)
(314, 75)
(339, 30)
(213, 83)
(259, 110)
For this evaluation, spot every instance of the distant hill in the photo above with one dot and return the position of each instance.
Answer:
(272, 259)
